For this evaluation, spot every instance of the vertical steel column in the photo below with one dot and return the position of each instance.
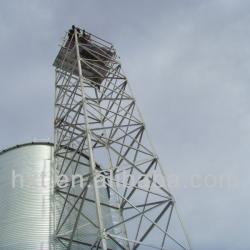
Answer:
(89, 141)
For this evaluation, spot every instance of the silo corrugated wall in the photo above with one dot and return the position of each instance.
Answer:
(25, 197)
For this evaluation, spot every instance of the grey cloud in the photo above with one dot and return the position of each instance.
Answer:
(188, 63)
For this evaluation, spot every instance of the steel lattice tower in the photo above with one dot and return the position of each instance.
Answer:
(113, 196)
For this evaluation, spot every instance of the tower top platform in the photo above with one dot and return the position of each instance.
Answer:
(95, 54)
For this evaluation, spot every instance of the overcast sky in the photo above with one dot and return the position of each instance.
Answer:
(188, 63)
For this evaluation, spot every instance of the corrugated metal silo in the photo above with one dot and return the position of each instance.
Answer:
(25, 197)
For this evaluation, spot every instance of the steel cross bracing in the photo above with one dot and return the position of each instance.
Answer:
(109, 193)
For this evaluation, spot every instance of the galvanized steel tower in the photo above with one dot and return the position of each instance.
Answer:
(116, 196)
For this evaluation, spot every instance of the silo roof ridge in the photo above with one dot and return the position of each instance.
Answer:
(26, 144)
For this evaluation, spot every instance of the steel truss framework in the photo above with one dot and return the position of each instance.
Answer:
(118, 200)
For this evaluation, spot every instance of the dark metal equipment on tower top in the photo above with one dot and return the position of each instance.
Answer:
(95, 56)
